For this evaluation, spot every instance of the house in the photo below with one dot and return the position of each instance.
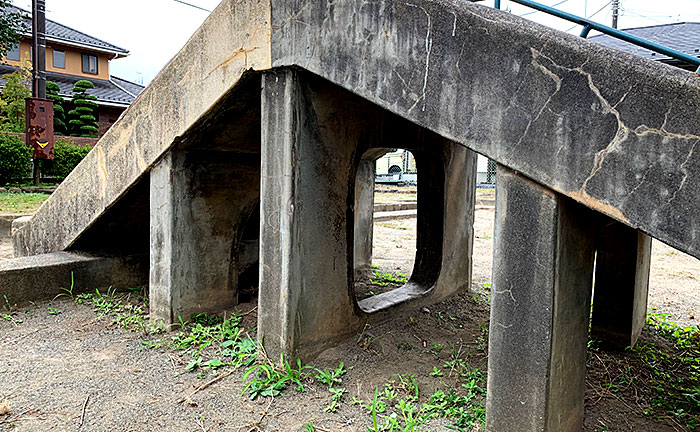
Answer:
(71, 56)
(683, 37)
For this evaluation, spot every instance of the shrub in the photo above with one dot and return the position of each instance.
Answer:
(15, 159)
(67, 154)
(81, 119)
(59, 114)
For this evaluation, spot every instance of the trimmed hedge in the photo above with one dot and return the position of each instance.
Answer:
(15, 159)
(67, 154)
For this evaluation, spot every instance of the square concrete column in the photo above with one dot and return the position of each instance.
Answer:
(542, 279)
(305, 293)
(364, 213)
(200, 204)
(623, 261)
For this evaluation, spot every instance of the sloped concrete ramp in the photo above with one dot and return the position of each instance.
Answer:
(589, 142)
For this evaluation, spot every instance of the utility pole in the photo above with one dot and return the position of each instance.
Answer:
(615, 12)
(39, 111)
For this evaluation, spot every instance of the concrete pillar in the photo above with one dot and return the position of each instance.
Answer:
(314, 136)
(364, 213)
(199, 204)
(305, 293)
(542, 278)
(621, 284)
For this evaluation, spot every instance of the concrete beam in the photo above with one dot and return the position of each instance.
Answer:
(502, 85)
(42, 277)
(621, 289)
(542, 279)
(201, 204)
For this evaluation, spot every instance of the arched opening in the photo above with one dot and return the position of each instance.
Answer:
(389, 254)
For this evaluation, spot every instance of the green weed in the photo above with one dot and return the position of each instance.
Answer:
(387, 278)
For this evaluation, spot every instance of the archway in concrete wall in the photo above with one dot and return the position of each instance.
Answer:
(398, 231)
(385, 260)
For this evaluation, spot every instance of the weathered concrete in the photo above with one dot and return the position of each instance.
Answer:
(540, 302)
(6, 223)
(623, 261)
(201, 204)
(42, 277)
(364, 212)
(313, 139)
(502, 86)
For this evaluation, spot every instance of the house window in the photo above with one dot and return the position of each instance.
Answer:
(90, 64)
(59, 59)
(12, 52)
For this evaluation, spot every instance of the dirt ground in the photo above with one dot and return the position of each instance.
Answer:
(62, 369)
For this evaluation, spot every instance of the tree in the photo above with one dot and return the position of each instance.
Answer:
(81, 119)
(12, 104)
(59, 114)
(11, 24)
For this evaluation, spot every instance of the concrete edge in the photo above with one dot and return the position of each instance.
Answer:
(43, 277)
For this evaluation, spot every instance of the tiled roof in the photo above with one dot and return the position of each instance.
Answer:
(117, 93)
(683, 37)
(61, 33)
(129, 86)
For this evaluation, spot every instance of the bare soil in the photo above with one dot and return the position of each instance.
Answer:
(62, 369)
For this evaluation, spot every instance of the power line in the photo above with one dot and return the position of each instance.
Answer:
(590, 16)
(193, 5)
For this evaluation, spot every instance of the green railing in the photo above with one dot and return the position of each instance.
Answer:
(589, 25)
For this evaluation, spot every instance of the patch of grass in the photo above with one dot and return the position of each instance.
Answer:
(19, 203)
(387, 278)
(398, 406)
(661, 375)
(268, 379)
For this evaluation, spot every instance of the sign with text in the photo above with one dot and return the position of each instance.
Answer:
(39, 115)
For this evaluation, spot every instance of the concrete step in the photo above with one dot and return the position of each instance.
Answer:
(393, 215)
(6, 223)
(395, 206)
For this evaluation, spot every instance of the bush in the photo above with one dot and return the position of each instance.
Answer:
(67, 154)
(15, 159)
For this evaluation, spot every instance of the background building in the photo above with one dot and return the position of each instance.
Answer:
(71, 56)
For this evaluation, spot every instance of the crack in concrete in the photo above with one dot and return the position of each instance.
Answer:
(509, 291)
(685, 175)
(428, 49)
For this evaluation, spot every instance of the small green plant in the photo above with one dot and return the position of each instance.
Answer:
(268, 380)
(387, 278)
(309, 427)
(12, 98)
(336, 398)
(68, 292)
(331, 377)
(436, 372)
(53, 311)
(59, 114)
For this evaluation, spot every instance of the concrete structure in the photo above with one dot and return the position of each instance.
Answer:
(304, 90)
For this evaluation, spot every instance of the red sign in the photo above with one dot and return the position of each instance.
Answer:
(39, 136)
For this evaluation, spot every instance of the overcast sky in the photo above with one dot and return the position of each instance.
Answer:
(155, 30)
